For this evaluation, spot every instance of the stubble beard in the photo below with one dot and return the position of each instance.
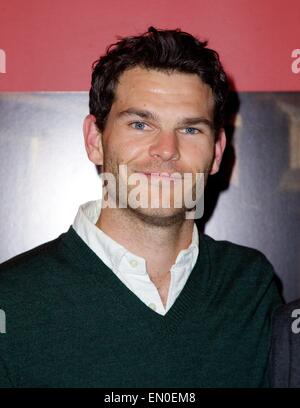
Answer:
(159, 217)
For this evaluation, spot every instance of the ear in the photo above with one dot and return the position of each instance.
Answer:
(93, 140)
(220, 144)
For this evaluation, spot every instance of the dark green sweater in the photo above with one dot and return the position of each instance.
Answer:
(70, 322)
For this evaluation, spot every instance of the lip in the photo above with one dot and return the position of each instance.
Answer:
(160, 175)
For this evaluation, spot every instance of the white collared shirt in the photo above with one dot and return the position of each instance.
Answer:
(130, 268)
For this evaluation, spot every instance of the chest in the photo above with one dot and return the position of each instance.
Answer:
(162, 285)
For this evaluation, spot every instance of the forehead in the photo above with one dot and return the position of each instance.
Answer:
(168, 91)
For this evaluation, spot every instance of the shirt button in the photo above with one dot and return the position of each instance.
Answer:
(152, 306)
(133, 263)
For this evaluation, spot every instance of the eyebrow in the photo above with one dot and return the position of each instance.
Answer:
(145, 114)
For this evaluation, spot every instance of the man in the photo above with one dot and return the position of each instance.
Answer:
(132, 295)
(284, 365)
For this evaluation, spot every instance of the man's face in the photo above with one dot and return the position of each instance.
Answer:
(158, 123)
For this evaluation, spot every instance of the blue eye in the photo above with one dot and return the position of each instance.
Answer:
(138, 125)
(191, 130)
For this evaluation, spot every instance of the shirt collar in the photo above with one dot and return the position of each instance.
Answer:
(111, 252)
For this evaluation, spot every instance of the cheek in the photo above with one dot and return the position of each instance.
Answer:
(199, 156)
(122, 153)
(133, 151)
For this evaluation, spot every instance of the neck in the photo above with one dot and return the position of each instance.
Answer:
(159, 245)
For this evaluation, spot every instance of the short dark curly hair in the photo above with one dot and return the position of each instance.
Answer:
(164, 50)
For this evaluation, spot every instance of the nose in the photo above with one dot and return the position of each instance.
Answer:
(165, 147)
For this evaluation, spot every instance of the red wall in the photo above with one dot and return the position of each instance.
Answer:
(50, 44)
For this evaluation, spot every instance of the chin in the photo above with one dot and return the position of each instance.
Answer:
(160, 217)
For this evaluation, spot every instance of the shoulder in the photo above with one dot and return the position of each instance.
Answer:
(35, 256)
(243, 274)
(28, 272)
(230, 256)
(229, 248)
